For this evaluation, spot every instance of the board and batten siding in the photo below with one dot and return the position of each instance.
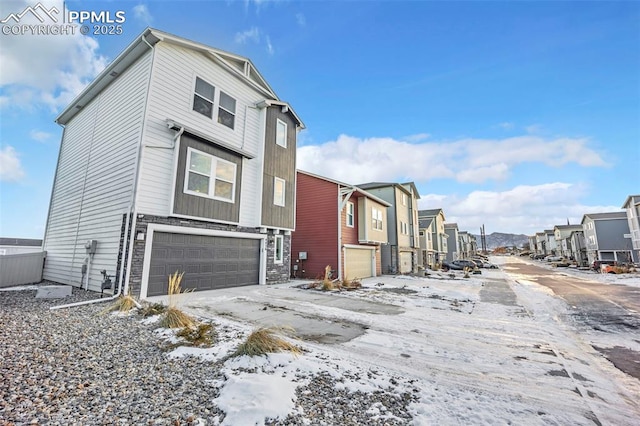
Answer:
(171, 97)
(95, 178)
(279, 162)
(316, 225)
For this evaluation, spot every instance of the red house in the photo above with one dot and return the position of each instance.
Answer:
(337, 224)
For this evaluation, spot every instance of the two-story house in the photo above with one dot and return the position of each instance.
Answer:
(435, 219)
(541, 243)
(604, 235)
(464, 244)
(533, 244)
(338, 225)
(426, 253)
(453, 243)
(632, 207)
(578, 247)
(562, 234)
(400, 255)
(550, 242)
(177, 157)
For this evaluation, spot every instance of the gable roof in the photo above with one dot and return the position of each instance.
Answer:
(604, 216)
(429, 212)
(240, 66)
(376, 185)
(631, 199)
(425, 222)
(355, 188)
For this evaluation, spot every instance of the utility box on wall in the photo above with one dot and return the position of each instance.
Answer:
(91, 246)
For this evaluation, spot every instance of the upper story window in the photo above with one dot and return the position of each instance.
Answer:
(404, 199)
(279, 191)
(227, 110)
(281, 133)
(350, 214)
(203, 98)
(209, 176)
(376, 218)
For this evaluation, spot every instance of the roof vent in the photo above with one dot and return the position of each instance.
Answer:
(113, 73)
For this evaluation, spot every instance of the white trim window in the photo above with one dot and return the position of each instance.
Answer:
(278, 251)
(376, 218)
(404, 199)
(210, 177)
(279, 190)
(350, 214)
(227, 110)
(281, 133)
(203, 97)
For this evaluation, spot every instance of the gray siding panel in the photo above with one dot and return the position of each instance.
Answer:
(279, 162)
(95, 176)
(610, 234)
(206, 208)
(22, 268)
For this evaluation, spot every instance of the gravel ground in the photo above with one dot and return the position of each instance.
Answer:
(76, 366)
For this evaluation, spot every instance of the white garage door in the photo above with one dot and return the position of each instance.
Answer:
(359, 263)
(405, 262)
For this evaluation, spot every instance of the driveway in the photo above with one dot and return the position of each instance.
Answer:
(287, 305)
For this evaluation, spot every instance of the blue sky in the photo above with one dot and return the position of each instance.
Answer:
(516, 115)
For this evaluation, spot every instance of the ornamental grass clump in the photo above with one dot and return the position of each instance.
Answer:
(173, 317)
(122, 304)
(353, 284)
(202, 334)
(267, 340)
(149, 310)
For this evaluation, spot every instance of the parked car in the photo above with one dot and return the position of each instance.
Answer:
(465, 263)
(553, 258)
(597, 264)
(539, 256)
(450, 265)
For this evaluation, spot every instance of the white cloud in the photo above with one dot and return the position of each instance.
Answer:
(301, 20)
(39, 135)
(252, 34)
(141, 12)
(418, 137)
(356, 160)
(10, 167)
(522, 209)
(533, 128)
(269, 46)
(506, 125)
(45, 70)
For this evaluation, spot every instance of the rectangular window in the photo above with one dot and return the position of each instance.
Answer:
(227, 110)
(278, 255)
(404, 199)
(203, 98)
(376, 218)
(281, 133)
(279, 191)
(209, 176)
(350, 213)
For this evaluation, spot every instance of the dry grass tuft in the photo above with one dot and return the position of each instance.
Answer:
(466, 271)
(150, 310)
(353, 284)
(267, 340)
(122, 304)
(202, 334)
(173, 317)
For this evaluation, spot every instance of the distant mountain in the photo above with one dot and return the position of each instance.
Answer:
(499, 239)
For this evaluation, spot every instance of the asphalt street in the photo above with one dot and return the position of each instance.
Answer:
(595, 307)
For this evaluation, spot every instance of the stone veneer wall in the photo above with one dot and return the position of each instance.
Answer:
(276, 273)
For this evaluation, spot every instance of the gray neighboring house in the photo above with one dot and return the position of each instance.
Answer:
(19, 245)
(562, 234)
(453, 241)
(541, 243)
(400, 255)
(426, 255)
(177, 157)
(533, 244)
(435, 219)
(604, 235)
(632, 206)
(578, 247)
(465, 244)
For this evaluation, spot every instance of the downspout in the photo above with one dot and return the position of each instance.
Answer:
(131, 210)
(339, 234)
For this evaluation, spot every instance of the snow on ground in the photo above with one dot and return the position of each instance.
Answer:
(468, 357)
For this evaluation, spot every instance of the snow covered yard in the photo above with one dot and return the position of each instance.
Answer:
(482, 350)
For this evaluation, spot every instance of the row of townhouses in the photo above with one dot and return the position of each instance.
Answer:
(599, 236)
(181, 157)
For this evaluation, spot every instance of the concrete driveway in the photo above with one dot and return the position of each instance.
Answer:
(287, 305)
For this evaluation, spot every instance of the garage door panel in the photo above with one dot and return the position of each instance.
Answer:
(209, 262)
(405, 262)
(359, 263)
